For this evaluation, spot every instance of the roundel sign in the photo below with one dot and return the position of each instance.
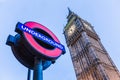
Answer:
(40, 41)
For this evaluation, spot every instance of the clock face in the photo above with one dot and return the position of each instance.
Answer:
(71, 29)
(87, 26)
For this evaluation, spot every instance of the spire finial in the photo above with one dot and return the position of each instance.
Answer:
(69, 10)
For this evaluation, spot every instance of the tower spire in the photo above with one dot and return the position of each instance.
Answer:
(70, 14)
(69, 10)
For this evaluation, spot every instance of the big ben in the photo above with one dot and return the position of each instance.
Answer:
(90, 59)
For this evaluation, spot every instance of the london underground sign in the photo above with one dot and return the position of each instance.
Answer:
(35, 40)
(40, 36)
(29, 32)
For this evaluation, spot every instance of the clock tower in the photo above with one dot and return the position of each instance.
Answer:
(90, 59)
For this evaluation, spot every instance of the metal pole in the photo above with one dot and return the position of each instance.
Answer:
(29, 73)
(38, 69)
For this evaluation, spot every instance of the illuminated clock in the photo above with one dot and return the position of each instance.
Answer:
(71, 29)
(87, 26)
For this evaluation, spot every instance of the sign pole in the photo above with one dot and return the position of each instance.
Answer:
(38, 69)
(29, 73)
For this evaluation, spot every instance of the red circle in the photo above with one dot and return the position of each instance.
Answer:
(49, 53)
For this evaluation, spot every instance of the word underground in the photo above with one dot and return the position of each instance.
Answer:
(40, 36)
